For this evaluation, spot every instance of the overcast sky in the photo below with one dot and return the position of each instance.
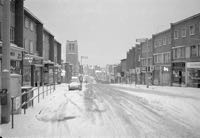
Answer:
(107, 29)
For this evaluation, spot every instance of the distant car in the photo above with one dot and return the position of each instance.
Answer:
(75, 84)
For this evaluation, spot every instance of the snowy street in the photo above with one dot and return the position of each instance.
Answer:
(102, 110)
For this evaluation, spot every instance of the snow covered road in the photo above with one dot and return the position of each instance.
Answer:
(102, 110)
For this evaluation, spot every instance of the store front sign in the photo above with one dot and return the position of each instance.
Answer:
(137, 70)
(193, 65)
(15, 55)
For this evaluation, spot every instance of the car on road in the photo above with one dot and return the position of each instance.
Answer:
(75, 84)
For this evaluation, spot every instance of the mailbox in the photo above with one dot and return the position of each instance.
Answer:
(3, 96)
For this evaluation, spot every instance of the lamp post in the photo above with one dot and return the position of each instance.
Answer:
(6, 109)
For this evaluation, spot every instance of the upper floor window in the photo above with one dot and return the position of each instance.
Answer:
(169, 40)
(176, 34)
(198, 49)
(26, 22)
(32, 26)
(0, 31)
(26, 44)
(12, 34)
(199, 27)
(167, 57)
(191, 29)
(164, 41)
(31, 47)
(178, 52)
(193, 50)
(12, 6)
(1, 2)
(183, 32)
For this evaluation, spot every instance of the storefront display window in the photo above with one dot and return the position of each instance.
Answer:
(194, 78)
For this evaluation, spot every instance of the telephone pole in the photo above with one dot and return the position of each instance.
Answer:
(5, 112)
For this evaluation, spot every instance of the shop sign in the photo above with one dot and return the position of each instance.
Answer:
(15, 55)
(165, 68)
(132, 71)
(144, 69)
(193, 65)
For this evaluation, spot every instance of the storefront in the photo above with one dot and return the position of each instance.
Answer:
(48, 72)
(178, 74)
(32, 70)
(165, 77)
(193, 74)
(156, 75)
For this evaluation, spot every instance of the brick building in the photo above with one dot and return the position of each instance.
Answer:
(162, 58)
(186, 52)
(72, 56)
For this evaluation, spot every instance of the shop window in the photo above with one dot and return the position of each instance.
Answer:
(193, 50)
(12, 34)
(176, 34)
(183, 32)
(192, 29)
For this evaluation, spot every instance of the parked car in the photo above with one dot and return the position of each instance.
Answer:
(75, 84)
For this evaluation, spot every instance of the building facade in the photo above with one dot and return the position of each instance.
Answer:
(72, 56)
(162, 58)
(186, 52)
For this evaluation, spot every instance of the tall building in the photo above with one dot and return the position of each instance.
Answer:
(72, 56)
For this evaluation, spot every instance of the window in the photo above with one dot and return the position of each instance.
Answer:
(26, 44)
(1, 2)
(199, 50)
(199, 27)
(176, 34)
(0, 31)
(174, 53)
(169, 40)
(31, 46)
(183, 32)
(12, 34)
(31, 26)
(193, 50)
(164, 41)
(166, 57)
(26, 23)
(191, 29)
(12, 6)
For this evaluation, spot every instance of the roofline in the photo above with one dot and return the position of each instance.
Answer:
(183, 20)
(169, 29)
(47, 31)
(32, 15)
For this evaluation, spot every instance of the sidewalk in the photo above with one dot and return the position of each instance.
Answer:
(27, 124)
(186, 91)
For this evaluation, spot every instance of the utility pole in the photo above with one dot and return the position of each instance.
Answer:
(5, 114)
